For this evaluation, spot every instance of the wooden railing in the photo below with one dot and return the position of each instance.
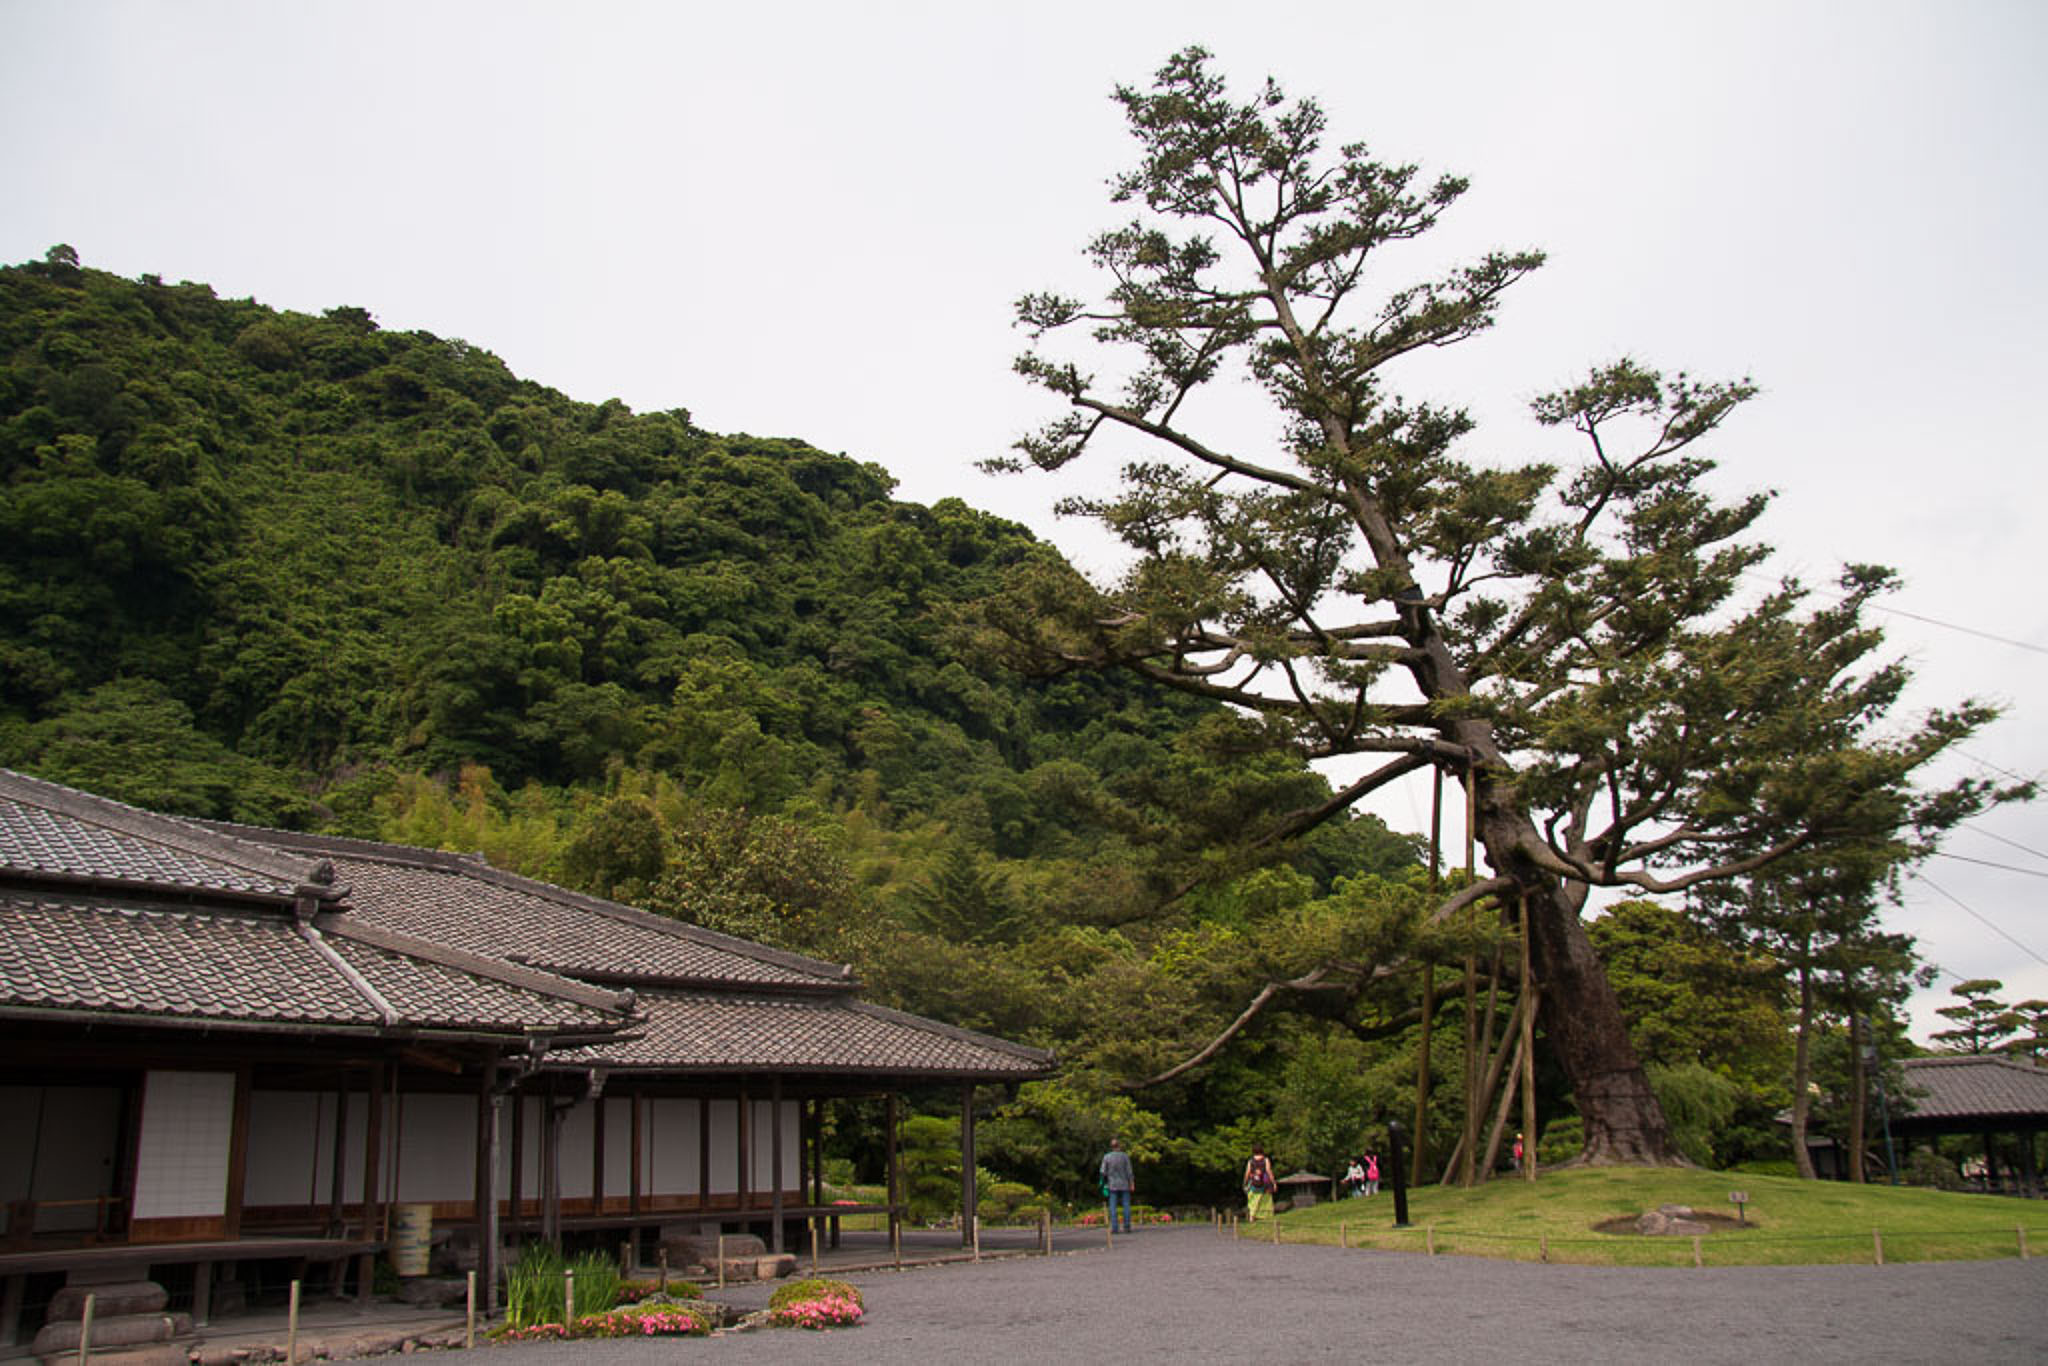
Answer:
(109, 1218)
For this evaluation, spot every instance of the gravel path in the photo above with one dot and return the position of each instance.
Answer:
(1188, 1294)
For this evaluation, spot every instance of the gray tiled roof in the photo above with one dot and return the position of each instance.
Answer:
(107, 910)
(470, 905)
(1978, 1085)
(91, 953)
(62, 953)
(53, 831)
(703, 1031)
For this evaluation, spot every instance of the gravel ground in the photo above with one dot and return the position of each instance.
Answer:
(1189, 1294)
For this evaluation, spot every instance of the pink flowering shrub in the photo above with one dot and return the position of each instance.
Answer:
(654, 1320)
(833, 1311)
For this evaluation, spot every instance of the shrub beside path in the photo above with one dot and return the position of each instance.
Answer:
(1187, 1294)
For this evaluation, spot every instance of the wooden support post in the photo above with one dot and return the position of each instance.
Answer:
(12, 1294)
(703, 1152)
(337, 1219)
(814, 1248)
(977, 1238)
(721, 1261)
(2020, 1229)
(1276, 1230)
(518, 1174)
(486, 1184)
(550, 1167)
(638, 1157)
(291, 1328)
(1543, 1248)
(1876, 1247)
(895, 1178)
(569, 1299)
(373, 1175)
(92, 1302)
(1697, 1260)
(1045, 1232)
(970, 1200)
(597, 1109)
(469, 1315)
(1429, 1239)
(746, 1152)
(775, 1158)
(238, 1151)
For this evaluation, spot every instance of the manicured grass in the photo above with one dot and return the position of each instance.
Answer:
(1790, 1222)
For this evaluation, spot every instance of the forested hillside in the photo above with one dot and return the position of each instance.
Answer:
(303, 571)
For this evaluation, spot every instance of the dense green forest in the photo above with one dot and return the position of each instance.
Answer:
(303, 571)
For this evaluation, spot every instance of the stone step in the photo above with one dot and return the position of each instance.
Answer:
(111, 1299)
(119, 1330)
(161, 1354)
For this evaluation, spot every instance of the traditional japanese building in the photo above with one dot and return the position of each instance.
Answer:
(222, 1044)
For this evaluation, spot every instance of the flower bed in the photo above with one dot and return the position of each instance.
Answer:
(832, 1311)
(660, 1319)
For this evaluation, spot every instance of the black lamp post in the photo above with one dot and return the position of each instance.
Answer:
(1398, 1171)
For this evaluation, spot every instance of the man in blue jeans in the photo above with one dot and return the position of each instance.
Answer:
(1117, 1184)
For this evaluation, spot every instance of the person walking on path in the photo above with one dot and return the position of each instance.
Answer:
(1372, 1173)
(1118, 1182)
(1259, 1185)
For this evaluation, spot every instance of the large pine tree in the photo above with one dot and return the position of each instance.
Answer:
(1570, 645)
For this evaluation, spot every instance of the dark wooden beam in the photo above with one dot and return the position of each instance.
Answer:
(969, 1204)
(775, 1158)
(238, 1151)
(487, 1102)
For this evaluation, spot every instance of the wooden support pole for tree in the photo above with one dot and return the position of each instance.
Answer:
(1421, 1153)
(1507, 1101)
(1436, 825)
(1472, 1100)
(1468, 1143)
(1529, 995)
(1493, 1078)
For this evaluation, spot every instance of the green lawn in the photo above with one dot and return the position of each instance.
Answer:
(1790, 1221)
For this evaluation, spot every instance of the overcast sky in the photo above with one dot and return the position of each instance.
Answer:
(810, 219)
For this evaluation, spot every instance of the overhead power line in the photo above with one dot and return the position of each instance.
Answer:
(1987, 863)
(1763, 577)
(1922, 877)
(2023, 848)
(1966, 630)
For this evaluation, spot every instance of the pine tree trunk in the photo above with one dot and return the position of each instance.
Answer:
(1858, 1085)
(1802, 1065)
(1582, 1020)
